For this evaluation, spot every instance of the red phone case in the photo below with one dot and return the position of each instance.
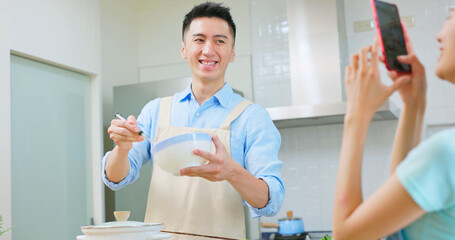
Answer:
(378, 29)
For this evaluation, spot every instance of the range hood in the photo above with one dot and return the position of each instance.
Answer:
(318, 54)
(323, 114)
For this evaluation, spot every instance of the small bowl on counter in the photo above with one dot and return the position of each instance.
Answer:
(123, 229)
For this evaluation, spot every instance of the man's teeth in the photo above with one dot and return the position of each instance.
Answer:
(208, 63)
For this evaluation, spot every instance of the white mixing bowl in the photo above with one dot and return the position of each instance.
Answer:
(176, 152)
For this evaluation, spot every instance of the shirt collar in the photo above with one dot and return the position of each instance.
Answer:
(223, 95)
(185, 94)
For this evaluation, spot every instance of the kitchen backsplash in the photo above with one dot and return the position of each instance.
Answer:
(310, 154)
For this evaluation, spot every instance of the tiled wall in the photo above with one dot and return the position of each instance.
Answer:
(270, 53)
(310, 154)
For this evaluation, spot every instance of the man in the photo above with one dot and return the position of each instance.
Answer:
(207, 200)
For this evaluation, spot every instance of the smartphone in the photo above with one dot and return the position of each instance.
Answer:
(390, 33)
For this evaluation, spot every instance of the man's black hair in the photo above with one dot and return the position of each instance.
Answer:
(208, 9)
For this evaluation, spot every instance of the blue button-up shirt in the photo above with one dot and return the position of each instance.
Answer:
(254, 139)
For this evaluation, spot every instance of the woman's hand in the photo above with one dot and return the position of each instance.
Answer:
(412, 93)
(364, 89)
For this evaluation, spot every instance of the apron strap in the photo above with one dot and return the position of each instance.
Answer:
(235, 113)
(164, 116)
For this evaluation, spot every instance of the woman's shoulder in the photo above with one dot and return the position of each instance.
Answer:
(439, 149)
(442, 142)
(436, 149)
(427, 172)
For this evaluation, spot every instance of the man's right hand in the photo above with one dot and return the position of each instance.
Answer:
(124, 133)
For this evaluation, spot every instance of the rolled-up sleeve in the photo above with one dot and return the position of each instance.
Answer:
(276, 196)
(132, 176)
(261, 158)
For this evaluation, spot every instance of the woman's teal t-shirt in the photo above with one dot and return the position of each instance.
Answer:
(428, 175)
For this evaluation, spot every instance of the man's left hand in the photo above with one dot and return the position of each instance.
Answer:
(220, 166)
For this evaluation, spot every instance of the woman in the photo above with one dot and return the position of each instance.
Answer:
(418, 199)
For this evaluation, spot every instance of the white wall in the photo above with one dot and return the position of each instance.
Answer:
(118, 65)
(63, 33)
(5, 120)
(310, 154)
(118, 51)
(159, 42)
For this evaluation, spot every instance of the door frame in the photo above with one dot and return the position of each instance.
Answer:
(96, 133)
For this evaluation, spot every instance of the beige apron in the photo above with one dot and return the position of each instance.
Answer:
(191, 204)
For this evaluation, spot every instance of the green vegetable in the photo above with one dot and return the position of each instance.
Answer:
(1, 223)
(327, 237)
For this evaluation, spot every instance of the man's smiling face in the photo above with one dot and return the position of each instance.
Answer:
(209, 47)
